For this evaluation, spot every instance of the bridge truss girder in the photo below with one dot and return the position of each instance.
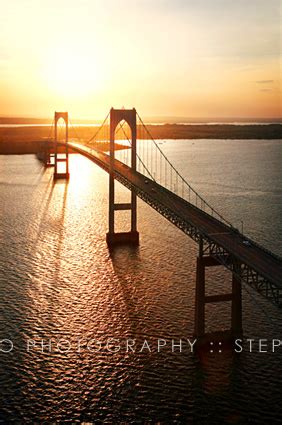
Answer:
(245, 273)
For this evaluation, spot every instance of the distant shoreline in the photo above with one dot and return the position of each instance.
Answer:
(28, 139)
(157, 120)
(158, 131)
(215, 131)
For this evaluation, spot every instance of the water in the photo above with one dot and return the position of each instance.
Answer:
(241, 179)
(58, 281)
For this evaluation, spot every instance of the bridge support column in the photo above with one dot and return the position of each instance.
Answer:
(64, 156)
(201, 299)
(236, 316)
(131, 237)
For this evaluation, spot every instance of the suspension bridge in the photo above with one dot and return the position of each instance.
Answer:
(147, 172)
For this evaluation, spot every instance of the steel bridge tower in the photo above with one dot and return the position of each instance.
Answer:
(64, 156)
(205, 260)
(132, 237)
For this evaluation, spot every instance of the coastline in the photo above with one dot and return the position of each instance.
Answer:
(26, 140)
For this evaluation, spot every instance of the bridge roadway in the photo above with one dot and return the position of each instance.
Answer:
(263, 269)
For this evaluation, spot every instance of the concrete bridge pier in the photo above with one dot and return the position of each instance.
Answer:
(236, 316)
(131, 237)
(201, 299)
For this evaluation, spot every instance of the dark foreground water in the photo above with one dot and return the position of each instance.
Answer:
(59, 284)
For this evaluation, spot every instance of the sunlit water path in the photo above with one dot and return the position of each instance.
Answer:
(59, 281)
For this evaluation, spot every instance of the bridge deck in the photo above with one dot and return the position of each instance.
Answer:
(264, 263)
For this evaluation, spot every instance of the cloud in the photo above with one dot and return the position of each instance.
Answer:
(265, 90)
(265, 81)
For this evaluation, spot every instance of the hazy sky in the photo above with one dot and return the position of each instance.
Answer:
(195, 58)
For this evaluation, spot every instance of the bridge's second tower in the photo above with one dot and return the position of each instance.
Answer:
(132, 237)
(64, 154)
(208, 258)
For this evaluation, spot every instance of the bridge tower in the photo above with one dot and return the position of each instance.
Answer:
(201, 299)
(132, 237)
(64, 156)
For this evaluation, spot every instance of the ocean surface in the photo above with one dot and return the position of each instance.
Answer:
(61, 289)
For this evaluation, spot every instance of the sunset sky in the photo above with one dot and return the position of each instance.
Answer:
(187, 58)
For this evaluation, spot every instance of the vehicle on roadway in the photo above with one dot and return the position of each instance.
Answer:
(246, 242)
